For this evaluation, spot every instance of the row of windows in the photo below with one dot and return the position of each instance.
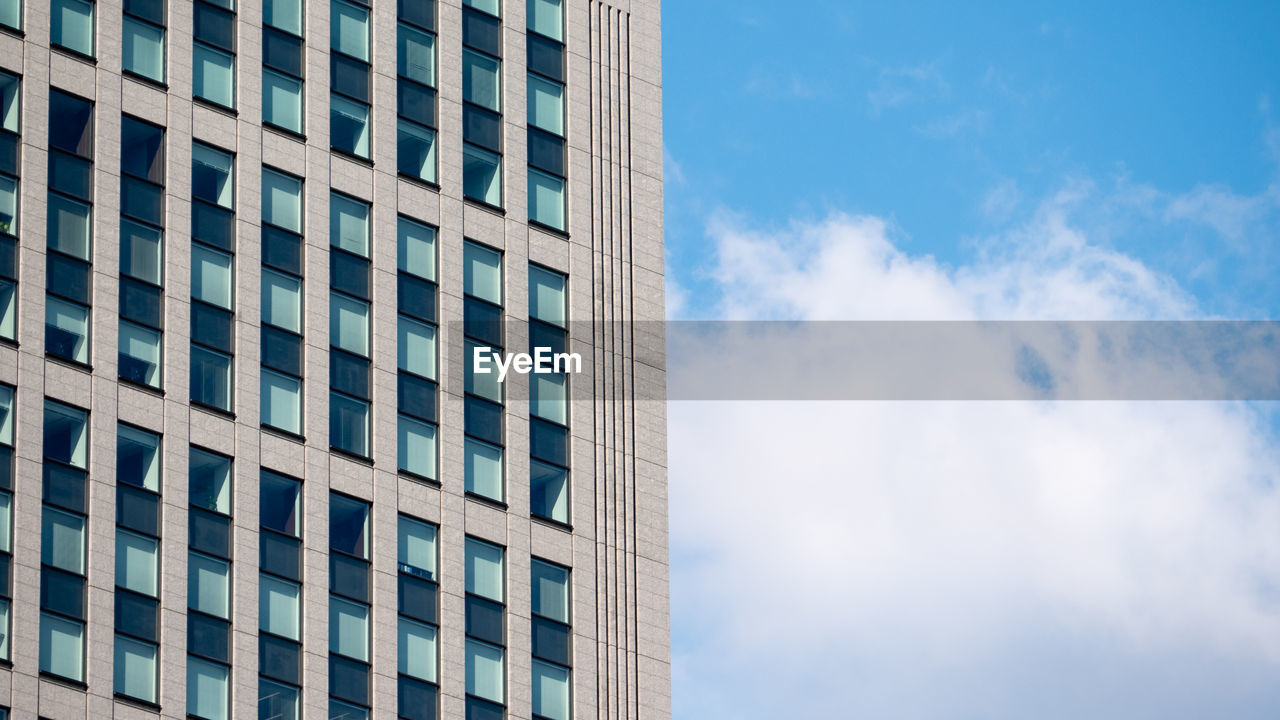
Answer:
(64, 573)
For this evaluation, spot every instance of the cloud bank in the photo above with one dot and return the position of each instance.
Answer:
(967, 560)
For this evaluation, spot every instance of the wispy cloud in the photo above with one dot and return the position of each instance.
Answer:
(905, 84)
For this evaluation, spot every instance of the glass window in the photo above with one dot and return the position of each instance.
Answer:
(493, 7)
(139, 355)
(546, 295)
(70, 124)
(282, 200)
(62, 540)
(417, 650)
(417, 347)
(206, 689)
(276, 701)
(136, 558)
(8, 205)
(141, 250)
(135, 668)
(211, 276)
(484, 671)
(349, 424)
(349, 126)
(281, 100)
(547, 397)
(348, 628)
(483, 469)
(349, 29)
(546, 199)
(6, 415)
(484, 570)
(349, 324)
(11, 15)
(137, 457)
(481, 83)
(349, 224)
(546, 17)
(142, 149)
(4, 639)
(416, 150)
(65, 434)
(61, 647)
(283, 14)
(417, 546)
(7, 312)
(417, 248)
(550, 590)
(485, 385)
(546, 105)
(10, 101)
(482, 273)
(210, 378)
(214, 75)
(417, 53)
(482, 175)
(417, 447)
(278, 607)
(69, 223)
(349, 525)
(210, 481)
(72, 25)
(550, 691)
(281, 401)
(6, 534)
(282, 300)
(278, 496)
(207, 584)
(143, 49)
(211, 172)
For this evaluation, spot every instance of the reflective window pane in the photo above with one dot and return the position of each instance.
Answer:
(482, 175)
(66, 327)
(546, 105)
(278, 498)
(481, 83)
(277, 701)
(211, 172)
(214, 75)
(138, 457)
(69, 224)
(65, 434)
(282, 300)
(211, 276)
(348, 525)
(10, 100)
(281, 401)
(546, 199)
(348, 628)
(482, 273)
(139, 354)
(62, 540)
(349, 29)
(62, 647)
(8, 205)
(283, 14)
(417, 248)
(135, 668)
(417, 648)
(417, 546)
(417, 55)
(143, 49)
(282, 200)
(349, 424)
(546, 17)
(71, 25)
(349, 224)
(210, 378)
(141, 248)
(482, 469)
(6, 415)
(278, 608)
(349, 126)
(209, 476)
(206, 689)
(282, 100)
(550, 691)
(207, 584)
(550, 590)
(484, 570)
(493, 7)
(484, 671)
(417, 347)
(549, 491)
(349, 324)
(416, 150)
(137, 559)
(417, 447)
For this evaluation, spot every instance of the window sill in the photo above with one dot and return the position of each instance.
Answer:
(53, 677)
(214, 106)
(351, 456)
(77, 55)
(137, 702)
(475, 202)
(9, 342)
(547, 228)
(485, 500)
(159, 85)
(76, 364)
(428, 184)
(226, 414)
(420, 479)
(351, 156)
(562, 526)
(280, 432)
(292, 135)
(10, 30)
(149, 389)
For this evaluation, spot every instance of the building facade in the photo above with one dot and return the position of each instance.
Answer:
(247, 248)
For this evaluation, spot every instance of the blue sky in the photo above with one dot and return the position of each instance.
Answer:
(914, 160)
(949, 119)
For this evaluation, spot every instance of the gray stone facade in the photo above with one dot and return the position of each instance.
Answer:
(613, 255)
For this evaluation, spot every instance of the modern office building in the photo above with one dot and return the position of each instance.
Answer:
(246, 250)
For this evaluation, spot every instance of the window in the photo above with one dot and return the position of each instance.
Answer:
(550, 630)
(349, 424)
(210, 480)
(281, 385)
(482, 273)
(213, 54)
(349, 29)
(546, 104)
(212, 223)
(350, 73)
(282, 200)
(482, 103)
(492, 7)
(135, 668)
(208, 583)
(141, 251)
(211, 175)
(279, 497)
(211, 276)
(349, 126)
(417, 621)
(546, 199)
(282, 64)
(281, 401)
(416, 151)
(71, 25)
(62, 647)
(137, 561)
(546, 17)
(279, 597)
(283, 14)
(10, 16)
(484, 570)
(349, 324)
(416, 65)
(417, 447)
(143, 41)
(417, 55)
(482, 451)
(349, 225)
(416, 348)
(548, 398)
(349, 526)
(63, 541)
(546, 118)
(69, 224)
(485, 663)
(66, 330)
(282, 100)
(349, 670)
(207, 689)
(482, 175)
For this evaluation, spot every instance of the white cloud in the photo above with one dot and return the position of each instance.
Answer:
(968, 560)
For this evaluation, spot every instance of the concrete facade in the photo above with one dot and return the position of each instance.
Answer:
(612, 253)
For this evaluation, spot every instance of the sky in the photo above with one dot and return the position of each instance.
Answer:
(912, 160)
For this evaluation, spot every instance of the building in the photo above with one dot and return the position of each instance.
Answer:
(244, 245)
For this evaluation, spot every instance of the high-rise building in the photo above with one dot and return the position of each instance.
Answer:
(248, 251)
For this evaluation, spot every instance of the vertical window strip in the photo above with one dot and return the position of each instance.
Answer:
(142, 213)
(350, 318)
(349, 608)
(416, 349)
(71, 26)
(547, 141)
(280, 597)
(214, 53)
(209, 584)
(350, 78)
(64, 541)
(548, 398)
(552, 640)
(6, 517)
(418, 630)
(69, 228)
(416, 91)
(137, 592)
(143, 40)
(482, 102)
(282, 302)
(10, 125)
(485, 630)
(483, 405)
(11, 16)
(212, 276)
(282, 65)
